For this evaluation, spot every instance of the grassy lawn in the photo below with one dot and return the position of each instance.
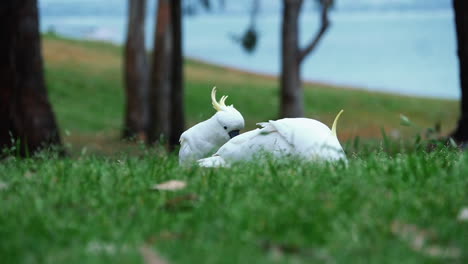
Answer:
(92, 209)
(85, 87)
(398, 206)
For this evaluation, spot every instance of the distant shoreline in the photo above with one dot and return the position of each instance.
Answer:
(306, 83)
(263, 75)
(410, 53)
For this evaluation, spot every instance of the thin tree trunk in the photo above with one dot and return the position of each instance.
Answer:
(292, 102)
(324, 24)
(136, 73)
(25, 112)
(460, 8)
(160, 89)
(177, 92)
(291, 92)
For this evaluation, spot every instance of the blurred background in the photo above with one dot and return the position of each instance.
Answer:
(399, 46)
(112, 84)
(105, 72)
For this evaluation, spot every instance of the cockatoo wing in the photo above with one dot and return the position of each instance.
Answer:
(188, 152)
(213, 162)
(267, 126)
(301, 132)
(233, 148)
(310, 138)
(185, 152)
(252, 143)
(247, 146)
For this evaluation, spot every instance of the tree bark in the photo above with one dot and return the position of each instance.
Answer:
(292, 56)
(291, 92)
(177, 91)
(161, 75)
(460, 8)
(324, 24)
(25, 113)
(136, 73)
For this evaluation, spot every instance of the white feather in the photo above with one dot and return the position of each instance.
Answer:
(306, 138)
(203, 139)
(213, 162)
(200, 141)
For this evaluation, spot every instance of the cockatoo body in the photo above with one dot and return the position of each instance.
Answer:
(203, 139)
(305, 138)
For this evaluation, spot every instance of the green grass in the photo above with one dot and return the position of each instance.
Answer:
(102, 210)
(95, 208)
(85, 87)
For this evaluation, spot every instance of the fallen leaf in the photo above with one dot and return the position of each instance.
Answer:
(277, 251)
(99, 247)
(181, 202)
(404, 120)
(164, 235)
(28, 175)
(282, 248)
(418, 240)
(167, 235)
(172, 185)
(463, 215)
(150, 256)
(436, 251)
(453, 143)
(412, 234)
(3, 186)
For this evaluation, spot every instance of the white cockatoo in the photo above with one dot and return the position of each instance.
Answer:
(305, 138)
(203, 139)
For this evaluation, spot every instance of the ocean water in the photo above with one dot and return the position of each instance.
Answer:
(406, 51)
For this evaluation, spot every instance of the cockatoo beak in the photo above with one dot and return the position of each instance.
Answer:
(233, 133)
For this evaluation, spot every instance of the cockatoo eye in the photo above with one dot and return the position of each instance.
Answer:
(225, 127)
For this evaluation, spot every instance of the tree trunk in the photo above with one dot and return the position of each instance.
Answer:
(161, 69)
(177, 91)
(460, 8)
(25, 113)
(136, 73)
(291, 92)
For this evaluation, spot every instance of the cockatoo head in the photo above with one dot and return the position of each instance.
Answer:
(229, 121)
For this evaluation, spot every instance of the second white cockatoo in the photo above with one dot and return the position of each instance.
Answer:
(304, 138)
(203, 139)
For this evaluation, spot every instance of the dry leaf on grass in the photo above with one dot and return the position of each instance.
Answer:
(99, 247)
(463, 215)
(150, 256)
(418, 240)
(164, 235)
(278, 251)
(172, 185)
(3, 186)
(28, 175)
(181, 202)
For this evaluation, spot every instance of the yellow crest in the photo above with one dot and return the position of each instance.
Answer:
(218, 106)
